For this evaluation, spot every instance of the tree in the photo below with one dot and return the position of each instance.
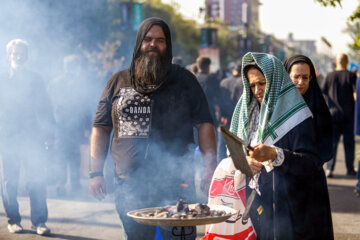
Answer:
(353, 29)
(329, 2)
(352, 25)
(185, 34)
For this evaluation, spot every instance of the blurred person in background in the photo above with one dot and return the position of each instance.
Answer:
(339, 88)
(26, 123)
(72, 107)
(230, 89)
(177, 60)
(194, 68)
(357, 132)
(354, 70)
(152, 108)
(210, 84)
(302, 73)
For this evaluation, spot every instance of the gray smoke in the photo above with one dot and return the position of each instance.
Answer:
(58, 30)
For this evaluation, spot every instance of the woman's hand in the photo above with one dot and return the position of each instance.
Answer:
(254, 165)
(263, 153)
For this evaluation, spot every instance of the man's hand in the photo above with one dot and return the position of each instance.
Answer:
(99, 145)
(97, 187)
(207, 144)
(263, 153)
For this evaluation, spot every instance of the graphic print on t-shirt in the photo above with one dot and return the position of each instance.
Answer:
(133, 114)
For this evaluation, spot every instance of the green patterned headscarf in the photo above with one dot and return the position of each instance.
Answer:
(282, 107)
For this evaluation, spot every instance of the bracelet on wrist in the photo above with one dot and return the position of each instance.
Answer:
(95, 174)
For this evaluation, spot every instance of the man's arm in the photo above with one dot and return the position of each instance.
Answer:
(207, 144)
(99, 144)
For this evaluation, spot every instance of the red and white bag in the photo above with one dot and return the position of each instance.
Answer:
(228, 188)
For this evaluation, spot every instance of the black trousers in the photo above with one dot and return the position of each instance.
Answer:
(33, 162)
(347, 131)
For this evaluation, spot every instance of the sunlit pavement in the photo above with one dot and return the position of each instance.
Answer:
(345, 206)
(80, 217)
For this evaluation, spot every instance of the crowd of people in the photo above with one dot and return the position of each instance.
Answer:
(153, 115)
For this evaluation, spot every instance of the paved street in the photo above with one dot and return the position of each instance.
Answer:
(83, 218)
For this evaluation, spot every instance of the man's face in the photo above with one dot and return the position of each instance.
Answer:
(154, 42)
(17, 56)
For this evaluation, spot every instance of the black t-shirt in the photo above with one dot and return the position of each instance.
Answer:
(339, 87)
(152, 131)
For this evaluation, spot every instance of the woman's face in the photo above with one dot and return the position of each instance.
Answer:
(257, 83)
(300, 75)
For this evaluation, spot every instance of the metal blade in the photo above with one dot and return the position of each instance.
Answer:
(235, 146)
(249, 202)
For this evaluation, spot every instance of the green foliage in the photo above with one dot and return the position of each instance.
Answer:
(228, 44)
(332, 3)
(103, 60)
(353, 29)
(356, 14)
(185, 35)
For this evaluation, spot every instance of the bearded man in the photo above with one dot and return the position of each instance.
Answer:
(151, 108)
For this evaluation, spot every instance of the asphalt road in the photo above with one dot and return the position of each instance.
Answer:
(80, 217)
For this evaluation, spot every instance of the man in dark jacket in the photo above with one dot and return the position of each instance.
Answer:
(339, 88)
(152, 108)
(25, 122)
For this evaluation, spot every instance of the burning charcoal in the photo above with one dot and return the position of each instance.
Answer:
(171, 212)
(164, 209)
(202, 209)
(176, 215)
(218, 213)
(162, 215)
(193, 213)
(182, 206)
(146, 214)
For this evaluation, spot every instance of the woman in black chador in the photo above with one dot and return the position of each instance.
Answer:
(302, 73)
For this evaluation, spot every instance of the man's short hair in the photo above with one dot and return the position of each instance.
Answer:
(237, 67)
(343, 59)
(16, 42)
(203, 62)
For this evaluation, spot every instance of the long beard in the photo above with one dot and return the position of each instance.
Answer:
(150, 70)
